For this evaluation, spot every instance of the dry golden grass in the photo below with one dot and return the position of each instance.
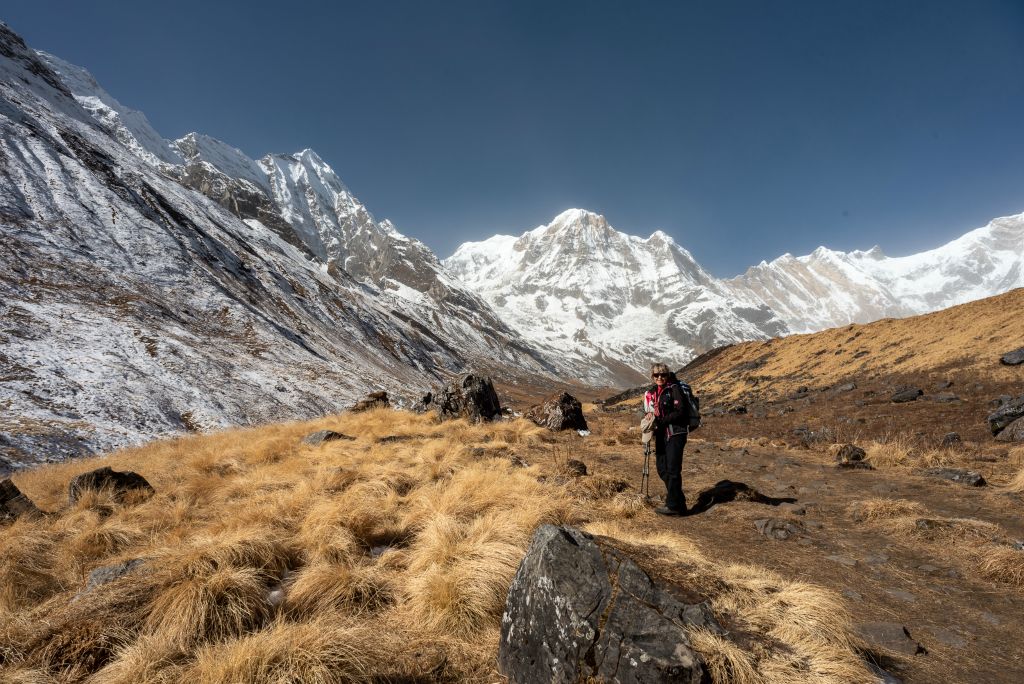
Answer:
(1016, 483)
(971, 337)
(267, 560)
(901, 451)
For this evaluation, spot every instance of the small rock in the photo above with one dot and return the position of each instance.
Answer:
(518, 461)
(848, 387)
(855, 465)
(967, 477)
(876, 559)
(320, 436)
(372, 400)
(950, 439)
(844, 560)
(391, 439)
(853, 595)
(850, 453)
(928, 569)
(906, 394)
(1014, 358)
(945, 398)
(120, 483)
(901, 595)
(890, 636)
(575, 468)
(738, 409)
(776, 528)
(109, 573)
(943, 384)
(14, 504)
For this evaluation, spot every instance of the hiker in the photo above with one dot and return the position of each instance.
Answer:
(666, 402)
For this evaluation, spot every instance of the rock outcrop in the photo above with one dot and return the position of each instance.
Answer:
(1014, 358)
(14, 504)
(119, 484)
(1014, 432)
(906, 394)
(1008, 412)
(469, 396)
(580, 610)
(372, 400)
(959, 475)
(559, 412)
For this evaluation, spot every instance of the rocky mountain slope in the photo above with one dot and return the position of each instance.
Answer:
(133, 306)
(580, 285)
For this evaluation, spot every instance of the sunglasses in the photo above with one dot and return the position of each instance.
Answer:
(659, 375)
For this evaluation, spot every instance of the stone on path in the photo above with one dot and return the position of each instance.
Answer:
(891, 636)
(959, 475)
(580, 610)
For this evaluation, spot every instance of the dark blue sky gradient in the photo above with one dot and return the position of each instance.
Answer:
(743, 129)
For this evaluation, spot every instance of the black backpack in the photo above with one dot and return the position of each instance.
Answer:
(693, 404)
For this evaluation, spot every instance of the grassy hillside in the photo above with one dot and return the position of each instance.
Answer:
(383, 558)
(965, 340)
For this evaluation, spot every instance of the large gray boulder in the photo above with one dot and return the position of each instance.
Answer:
(1007, 413)
(580, 610)
(469, 396)
(14, 504)
(559, 412)
(1014, 432)
(119, 483)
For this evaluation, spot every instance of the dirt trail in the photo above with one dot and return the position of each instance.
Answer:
(969, 625)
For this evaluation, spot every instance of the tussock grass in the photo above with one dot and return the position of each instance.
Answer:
(884, 509)
(1003, 564)
(384, 558)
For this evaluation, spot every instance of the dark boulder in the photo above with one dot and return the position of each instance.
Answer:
(14, 504)
(320, 436)
(1007, 412)
(580, 610)
(850, 453)
(424, 403)
(967, 477)
(373, 400)
(469, 396)
(118, 483)
(1014, 432)
(575, 467)
(906, 394)
(559, 412)
(1014, 358)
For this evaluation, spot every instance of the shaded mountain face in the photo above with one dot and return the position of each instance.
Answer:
(579, 284)
(133, 306)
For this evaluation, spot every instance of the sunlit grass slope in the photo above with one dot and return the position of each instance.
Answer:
(383, 558)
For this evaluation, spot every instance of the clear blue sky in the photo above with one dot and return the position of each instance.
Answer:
(744, 129)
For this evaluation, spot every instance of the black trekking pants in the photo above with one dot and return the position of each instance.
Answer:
(669, 459)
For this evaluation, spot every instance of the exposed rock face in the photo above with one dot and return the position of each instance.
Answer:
(1014, 358)
(581, 611)
(890, 636)
(967, 477)
(14, 504)
(1007, 412)
(559, 412)
(471, 397)
(109, 573)
(906, 394)
(320, 436)
(1014, 432)
(120, 483)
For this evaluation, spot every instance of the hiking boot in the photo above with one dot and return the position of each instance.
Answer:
(663, 510)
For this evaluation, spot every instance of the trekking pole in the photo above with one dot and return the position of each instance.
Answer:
(645, 479)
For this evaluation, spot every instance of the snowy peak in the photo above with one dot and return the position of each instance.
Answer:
(128, 126)
(198, 148)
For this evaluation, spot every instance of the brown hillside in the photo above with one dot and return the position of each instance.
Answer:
(963, 339)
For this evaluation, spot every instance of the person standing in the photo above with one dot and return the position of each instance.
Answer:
(671, 418)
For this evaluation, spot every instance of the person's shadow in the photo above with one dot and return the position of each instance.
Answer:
(727, 490)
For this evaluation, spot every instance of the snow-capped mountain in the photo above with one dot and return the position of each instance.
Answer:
(828, 288)
(132, 305)
(580, 286)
